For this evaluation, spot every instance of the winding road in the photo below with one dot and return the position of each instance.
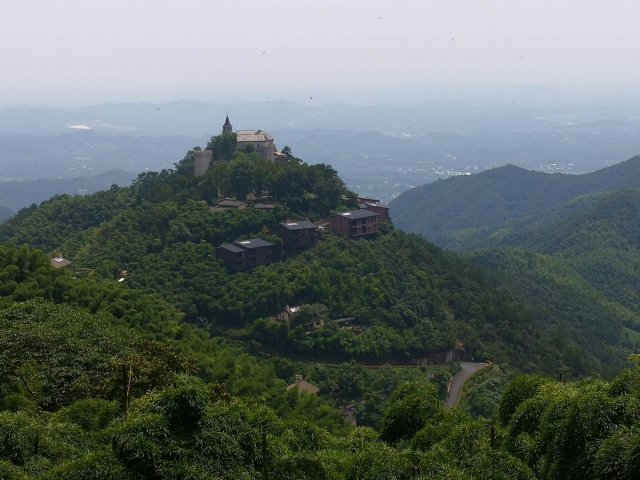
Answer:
(458, 380)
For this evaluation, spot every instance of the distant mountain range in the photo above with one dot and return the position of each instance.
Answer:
(458, 211)
(16, 195)
(86, 153)
(379, 150)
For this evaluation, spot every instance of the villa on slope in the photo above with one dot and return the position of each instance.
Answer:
(356, 224)
(245, 254)
(298, 234)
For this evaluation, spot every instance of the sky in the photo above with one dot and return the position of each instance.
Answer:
(74, 52)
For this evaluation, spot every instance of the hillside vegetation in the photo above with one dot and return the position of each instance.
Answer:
(447, 210)
(408, 298)
(95, 394)
(177, 371)
(573, 258)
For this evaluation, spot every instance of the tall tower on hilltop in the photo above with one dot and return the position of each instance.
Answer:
(227, 128)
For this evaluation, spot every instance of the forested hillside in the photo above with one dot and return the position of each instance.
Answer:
(408, 299)
(574, 262)
(447, 211)
(147, 359)
(83, 395)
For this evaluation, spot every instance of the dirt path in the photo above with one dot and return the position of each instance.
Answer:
(458, 380)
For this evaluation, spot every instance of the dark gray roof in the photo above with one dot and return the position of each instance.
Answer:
(298, 225)
(230, 203)
(227, 123)
(252, 243)
(232, 248)
(368, 200)
(362, 213)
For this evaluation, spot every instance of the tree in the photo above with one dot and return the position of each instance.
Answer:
(411, 406)
(286, 150)
(223, 146)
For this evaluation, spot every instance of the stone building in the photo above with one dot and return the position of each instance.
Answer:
(260, 141)
(202, 161)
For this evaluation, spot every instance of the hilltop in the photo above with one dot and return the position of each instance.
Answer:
(451, 209)
(409, 299)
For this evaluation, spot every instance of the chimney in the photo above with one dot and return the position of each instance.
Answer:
(298, 378)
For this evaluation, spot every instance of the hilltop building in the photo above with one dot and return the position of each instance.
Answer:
(260, 141)
(201, 161)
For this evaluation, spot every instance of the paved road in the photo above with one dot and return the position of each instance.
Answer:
(457, 382)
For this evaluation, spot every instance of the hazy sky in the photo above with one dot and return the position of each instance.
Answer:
(89, 51)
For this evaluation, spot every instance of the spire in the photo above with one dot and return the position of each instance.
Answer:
(227, 128)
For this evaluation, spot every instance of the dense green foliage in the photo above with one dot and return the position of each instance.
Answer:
(444, 211)
(579, 261)
(73, 403)
(573, 260)
(63, 415)
(408, 298)
(178, 372)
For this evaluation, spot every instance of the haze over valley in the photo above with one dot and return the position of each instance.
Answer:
(379, 150)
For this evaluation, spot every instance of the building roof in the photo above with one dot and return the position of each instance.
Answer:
(227, 123)
(232, 248)
(362, 213)
(291, 309)
(299, 225)
(230, 203)
(253, 136)
(303, 386)
(59, 262)
(368, 200)
(252, 243)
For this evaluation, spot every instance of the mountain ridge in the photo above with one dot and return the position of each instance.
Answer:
(499, 195)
